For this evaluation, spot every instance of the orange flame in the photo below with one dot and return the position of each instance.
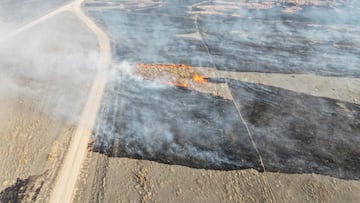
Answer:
(181, 84)
(181, 75)
(199, 78)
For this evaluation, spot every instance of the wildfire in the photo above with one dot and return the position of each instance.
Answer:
(181, 84)
(199, 78)
(181, 75)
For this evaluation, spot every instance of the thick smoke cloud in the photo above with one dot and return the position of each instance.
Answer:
(50, 64)
(20, 12)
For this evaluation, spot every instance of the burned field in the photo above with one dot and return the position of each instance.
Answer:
(172, 125)
(258, 126)
(180, 101)
(322, 40)
(288, 131)
(299, 133)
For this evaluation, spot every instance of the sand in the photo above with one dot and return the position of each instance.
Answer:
(40, 106)
(129, 180)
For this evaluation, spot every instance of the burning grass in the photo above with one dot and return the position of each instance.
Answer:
(183, 76)
(180, 75)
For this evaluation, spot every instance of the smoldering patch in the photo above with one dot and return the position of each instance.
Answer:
(172, 125)
(321, 38)
(293, 132)
(183, 76)
(179, 124)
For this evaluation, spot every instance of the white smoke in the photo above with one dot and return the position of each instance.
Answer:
(53, 63)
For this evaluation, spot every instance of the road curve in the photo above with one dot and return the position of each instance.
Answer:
(70, 169)
(65, 183)
(64, 187)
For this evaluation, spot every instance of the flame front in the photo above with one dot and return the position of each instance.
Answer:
(199, 78)
(181, 75)
(181, 84)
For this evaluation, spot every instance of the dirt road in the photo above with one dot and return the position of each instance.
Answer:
(66, 180)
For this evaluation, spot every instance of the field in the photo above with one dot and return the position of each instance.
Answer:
(190, 101)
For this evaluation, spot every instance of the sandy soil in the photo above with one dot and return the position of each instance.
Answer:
(129, 180)
(40, 100)
(339, 88)
(70, 169)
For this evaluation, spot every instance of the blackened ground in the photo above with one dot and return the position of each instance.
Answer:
(172, 125)
(282, 46)
(298, 133)
(294, 132)
(24, 190)
(316, 40)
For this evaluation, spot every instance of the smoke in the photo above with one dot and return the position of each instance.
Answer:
(296, 133)
(319, 40)
(146, 120)
(18, 12)
(53, 63)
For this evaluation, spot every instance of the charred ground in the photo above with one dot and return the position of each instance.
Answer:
(291, 132)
